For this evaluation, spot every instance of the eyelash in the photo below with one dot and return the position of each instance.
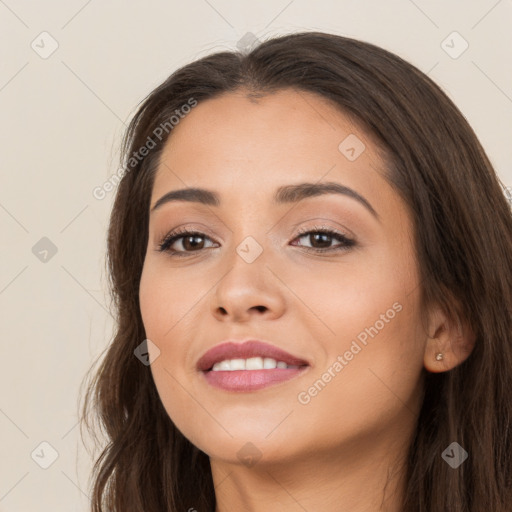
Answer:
(346, 243)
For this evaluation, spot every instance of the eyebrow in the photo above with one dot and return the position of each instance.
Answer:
(283, 195)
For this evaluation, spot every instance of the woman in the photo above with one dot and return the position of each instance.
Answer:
(311, 261)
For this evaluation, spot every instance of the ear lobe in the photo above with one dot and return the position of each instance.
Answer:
(453, 338)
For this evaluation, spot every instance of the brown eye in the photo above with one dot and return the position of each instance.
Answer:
(321, 239)
(190, 242)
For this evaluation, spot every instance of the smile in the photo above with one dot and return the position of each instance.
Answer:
(252, 363)
(249, 366)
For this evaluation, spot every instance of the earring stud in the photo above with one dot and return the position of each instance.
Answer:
(439, 357)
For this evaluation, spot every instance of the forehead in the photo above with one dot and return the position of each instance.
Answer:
(258, 144)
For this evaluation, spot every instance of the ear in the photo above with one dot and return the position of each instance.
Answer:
(450, 337)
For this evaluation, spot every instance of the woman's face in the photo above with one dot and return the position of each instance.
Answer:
(349, 310)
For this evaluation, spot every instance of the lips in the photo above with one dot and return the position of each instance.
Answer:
(250, 348)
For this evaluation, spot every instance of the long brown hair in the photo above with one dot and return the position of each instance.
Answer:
(463, 242)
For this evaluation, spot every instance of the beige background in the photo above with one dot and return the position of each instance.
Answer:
(62, 118)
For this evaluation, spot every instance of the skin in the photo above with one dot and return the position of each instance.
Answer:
(351, 437)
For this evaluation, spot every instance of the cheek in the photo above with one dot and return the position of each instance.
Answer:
(375, 350)
(167, 302)
(366, 386)
(341, 301)
(166, 299)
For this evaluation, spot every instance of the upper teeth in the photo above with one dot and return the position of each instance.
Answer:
(252, 363)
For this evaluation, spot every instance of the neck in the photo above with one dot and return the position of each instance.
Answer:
(362, 477)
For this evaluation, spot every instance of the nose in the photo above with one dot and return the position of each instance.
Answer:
(248, 290)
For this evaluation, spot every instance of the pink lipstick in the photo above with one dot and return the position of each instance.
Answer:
(249, 366)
